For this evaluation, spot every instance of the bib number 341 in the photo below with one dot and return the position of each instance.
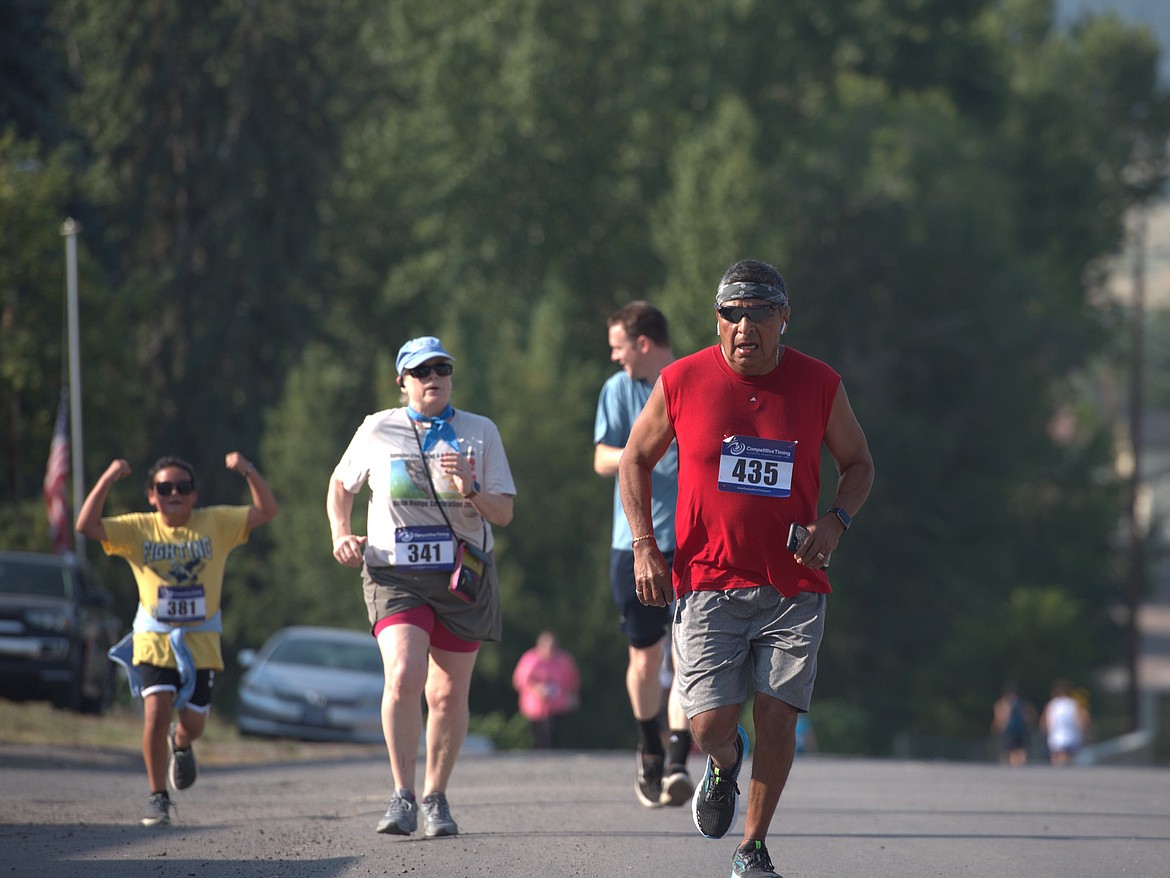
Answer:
(424, 548)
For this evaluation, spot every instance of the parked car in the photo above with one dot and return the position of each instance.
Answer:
(56, 624)
(312, 683)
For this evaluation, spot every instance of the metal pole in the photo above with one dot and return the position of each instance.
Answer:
(70, 229)
(1135, 566)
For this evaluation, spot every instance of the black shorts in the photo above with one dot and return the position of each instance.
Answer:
(156, 678)
(643, 626)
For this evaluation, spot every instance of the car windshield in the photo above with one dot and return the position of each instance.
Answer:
(328, 654)
(43, 580)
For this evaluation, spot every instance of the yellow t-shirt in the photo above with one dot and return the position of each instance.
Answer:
(179, 571)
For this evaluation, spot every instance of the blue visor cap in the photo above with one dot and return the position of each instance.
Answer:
(417, 351)
(738, 291)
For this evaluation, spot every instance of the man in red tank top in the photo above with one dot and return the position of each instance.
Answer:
(750, 416)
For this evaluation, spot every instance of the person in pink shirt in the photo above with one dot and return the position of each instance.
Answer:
(549, 684)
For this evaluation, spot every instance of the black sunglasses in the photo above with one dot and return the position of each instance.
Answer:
(165, 489)
(754, 313)
(440, 369)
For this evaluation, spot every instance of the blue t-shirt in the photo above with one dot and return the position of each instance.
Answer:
(621, 400)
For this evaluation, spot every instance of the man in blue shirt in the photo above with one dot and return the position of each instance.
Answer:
(639, 342)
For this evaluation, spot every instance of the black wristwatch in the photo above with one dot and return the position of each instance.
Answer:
(844, 517)
(474, 491)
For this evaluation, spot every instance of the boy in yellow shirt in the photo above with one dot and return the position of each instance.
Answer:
(177, 554)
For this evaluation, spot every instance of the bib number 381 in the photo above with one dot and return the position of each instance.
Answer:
(181, 603)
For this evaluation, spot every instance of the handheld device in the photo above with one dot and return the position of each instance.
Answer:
(796, 535)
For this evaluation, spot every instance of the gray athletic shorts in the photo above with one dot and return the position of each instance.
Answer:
(728, 641)
(390, 590)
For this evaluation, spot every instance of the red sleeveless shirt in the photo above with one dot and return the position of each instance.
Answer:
(749, 460)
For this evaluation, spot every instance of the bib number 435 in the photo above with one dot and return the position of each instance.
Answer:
(756, 472)
(751, 465)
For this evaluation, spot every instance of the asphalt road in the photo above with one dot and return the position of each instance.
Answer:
(66, 813)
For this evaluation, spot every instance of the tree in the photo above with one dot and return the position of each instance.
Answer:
(324, 402)
(216, 128)
(31, 362)
(284, 194)
(34, 78)
(546, 154)
(902, 234)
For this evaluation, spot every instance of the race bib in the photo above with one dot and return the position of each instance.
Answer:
(424, 548)
(749, 465)
(181, 603)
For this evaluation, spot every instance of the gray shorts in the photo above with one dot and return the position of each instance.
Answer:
(390, 590)
(727, 641)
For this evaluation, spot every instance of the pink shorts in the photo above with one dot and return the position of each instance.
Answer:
(424, 618)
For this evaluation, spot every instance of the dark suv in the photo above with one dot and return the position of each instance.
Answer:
(56, 624)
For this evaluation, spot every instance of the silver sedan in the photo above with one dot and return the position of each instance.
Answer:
(311, 683)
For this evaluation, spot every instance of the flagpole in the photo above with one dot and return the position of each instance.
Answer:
(70, 229)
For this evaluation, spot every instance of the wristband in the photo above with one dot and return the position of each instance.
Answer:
(842, 516)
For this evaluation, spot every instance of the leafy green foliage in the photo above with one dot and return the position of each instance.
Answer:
(34, 80)
(216, 127)
(32, 329)
(277, 196)
(304, 439)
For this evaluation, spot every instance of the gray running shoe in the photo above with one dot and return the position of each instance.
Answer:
(158, 810)
(677, 786)
(401, 817)
(649, 785)
(437, 816)
(716, 801)
(752, 861)
(182, 771)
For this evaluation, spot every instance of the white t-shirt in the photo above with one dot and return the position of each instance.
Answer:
(1063, 721)
(402, 510)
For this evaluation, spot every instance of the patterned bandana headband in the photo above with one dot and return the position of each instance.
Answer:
(742, 291)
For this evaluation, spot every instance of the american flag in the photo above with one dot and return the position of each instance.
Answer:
(56, 475)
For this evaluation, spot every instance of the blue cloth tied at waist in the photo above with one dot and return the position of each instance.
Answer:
(144, 623)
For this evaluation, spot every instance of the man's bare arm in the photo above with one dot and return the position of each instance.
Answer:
(650, 437)
(606, 459)
(850, 450)
(847, 444)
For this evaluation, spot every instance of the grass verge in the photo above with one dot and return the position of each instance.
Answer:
(35, 723)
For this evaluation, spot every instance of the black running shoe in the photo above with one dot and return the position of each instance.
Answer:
(752, 861)
(649, 785)
(716, 801)
(677, 786)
